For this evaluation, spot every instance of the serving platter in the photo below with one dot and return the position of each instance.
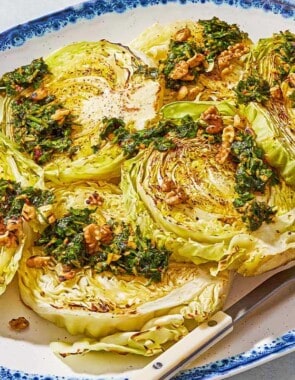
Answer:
(265, 335)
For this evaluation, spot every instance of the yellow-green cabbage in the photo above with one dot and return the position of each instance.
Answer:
(122, 312)
(206, 227)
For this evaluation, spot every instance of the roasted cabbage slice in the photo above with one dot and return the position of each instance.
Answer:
(268, 91)
(109, 285)
(58, 119)
(213, 198)
(201, 59)
(23, 204)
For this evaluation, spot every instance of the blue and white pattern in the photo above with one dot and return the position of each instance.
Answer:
(206, 372)
(17, 36)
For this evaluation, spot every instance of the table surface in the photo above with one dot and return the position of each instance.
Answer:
(15, 12)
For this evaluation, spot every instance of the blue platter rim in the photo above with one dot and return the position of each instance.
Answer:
(18, 35)
(277, 347)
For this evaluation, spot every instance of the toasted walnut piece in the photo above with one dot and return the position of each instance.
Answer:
(19, 324)
(38, 261)
(51, 219)
(94, 199)
(28, 212)
(182, 93)
(237, 121)
(176, 196)
(112, 257)
(182, 35)
(213, 119)
(106, 234)
(214, 129)
(39, 94)
(14, 226)
(67, 275)
(188, 77)
(167, 185)
(235, 51)
(276, 92)
(94, 235)
(9, 239)
(196, 60)
(179, 71)
(228, 135)
(193, 92)
(59, 115)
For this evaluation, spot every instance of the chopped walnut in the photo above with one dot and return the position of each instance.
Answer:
(14, 225)
(182, 93)
(213, 119)
(180, 70)
(95, 235)
(196, 60)
(51, 219)
(235, 51)
(276, 92)
(60, 115)
(182, 35)
(39, 94)
(188, 77)
(175, 196)
(228, 135)
(28, 212)
(193, 92)
(19, 324)
(38, 261)
(94, 199)
(237, 121)
(67, 273)
(167, 185)
(10, 233)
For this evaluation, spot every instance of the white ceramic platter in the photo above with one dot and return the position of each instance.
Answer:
(265, 335)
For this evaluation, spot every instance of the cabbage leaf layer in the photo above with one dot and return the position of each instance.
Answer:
(184, 197)
(126, 309)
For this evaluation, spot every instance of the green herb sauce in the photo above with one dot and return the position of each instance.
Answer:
(13, 197)
(64, 240)
(161, 135)
(252, 89)
(37, 131)
(219, 35)
(23, 77)
(252, 175)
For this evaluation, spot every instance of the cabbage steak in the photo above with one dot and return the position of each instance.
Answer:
(95, 295)
(58, 115)
(196, 205)
(24, 204)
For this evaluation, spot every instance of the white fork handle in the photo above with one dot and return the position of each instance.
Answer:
(186, 349)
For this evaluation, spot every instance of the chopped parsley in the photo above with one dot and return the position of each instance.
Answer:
(180, 51)
(13, 197)
(252, 175)
(41, 128)
(219, 35)
(23, 77)
(161, 135)
(286, 51)
(65, 241)
(253, 89)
